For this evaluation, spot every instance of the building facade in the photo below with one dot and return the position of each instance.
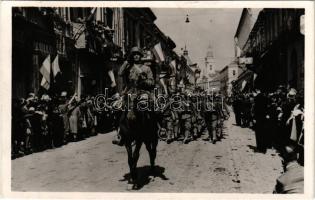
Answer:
(276, 46)
(91, 44)
(36, 33)
(228, 75)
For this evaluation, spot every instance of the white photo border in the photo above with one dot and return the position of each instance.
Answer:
(5, 97)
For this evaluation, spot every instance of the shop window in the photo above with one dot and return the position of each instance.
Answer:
(76, 13)
(109, 17)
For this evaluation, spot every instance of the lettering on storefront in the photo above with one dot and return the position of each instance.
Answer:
(42, 47)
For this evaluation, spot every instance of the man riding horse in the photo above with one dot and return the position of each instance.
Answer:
(138, 122)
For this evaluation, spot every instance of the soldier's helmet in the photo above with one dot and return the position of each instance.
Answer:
(135, 50)
(63, 94)
(115, 96)
(292, 93)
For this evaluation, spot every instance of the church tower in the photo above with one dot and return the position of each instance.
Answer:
(210, 65)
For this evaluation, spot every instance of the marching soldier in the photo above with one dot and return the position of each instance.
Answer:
(168, 118)
(186, 118)
(211, 118)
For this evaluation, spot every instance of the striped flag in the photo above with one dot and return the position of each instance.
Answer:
(173, 66)
(45, 71)
(243, 85)
(45, 84)
(55, 66)
(92, 14)
(158, 53)
(173, 63)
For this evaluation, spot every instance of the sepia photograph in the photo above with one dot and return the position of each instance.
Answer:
(141, 99)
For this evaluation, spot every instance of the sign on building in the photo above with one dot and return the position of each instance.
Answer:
(246, 60)
(302, 22)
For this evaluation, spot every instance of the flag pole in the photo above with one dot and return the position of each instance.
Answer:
(51, 88)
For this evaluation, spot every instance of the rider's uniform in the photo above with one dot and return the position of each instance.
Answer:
(140, 83)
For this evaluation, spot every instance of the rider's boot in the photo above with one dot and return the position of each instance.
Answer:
(169, 138)
(118, 140)
(186, 139)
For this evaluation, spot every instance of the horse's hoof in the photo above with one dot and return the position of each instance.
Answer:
(135, 186)
(152, 169)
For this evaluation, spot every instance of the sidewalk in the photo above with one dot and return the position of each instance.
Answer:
(256, 171)
(96, 165)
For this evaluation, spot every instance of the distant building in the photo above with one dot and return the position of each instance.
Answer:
(193, 69)
(228, 75)
(210, 64)
(210, 71)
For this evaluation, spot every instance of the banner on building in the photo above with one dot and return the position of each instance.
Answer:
(158, 52)
(79, 35)
(45, 71)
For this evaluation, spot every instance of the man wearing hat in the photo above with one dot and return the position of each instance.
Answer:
(64, 108)
(260, 113)
(292, 180)
(287, 108)
(211, 116)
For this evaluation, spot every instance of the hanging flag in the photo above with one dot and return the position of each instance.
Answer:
(158, 52)
(173, 66)
(45, 83)
(243, 85)
(255, 76)
(55, 66)
(45, 71)
(238, 51)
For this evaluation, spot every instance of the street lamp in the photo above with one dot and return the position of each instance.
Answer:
(187, 19)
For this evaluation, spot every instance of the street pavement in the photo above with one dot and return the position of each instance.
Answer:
(96, 165)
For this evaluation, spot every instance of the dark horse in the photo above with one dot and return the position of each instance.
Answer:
(141, 129)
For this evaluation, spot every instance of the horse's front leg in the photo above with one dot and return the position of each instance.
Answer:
(130, 160)
(135, 157)
(151, 147)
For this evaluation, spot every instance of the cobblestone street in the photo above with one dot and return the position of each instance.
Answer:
(96, 165)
